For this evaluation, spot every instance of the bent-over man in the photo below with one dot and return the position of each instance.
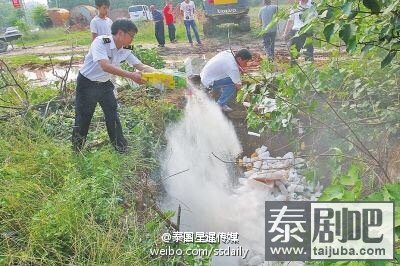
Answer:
(222, 74)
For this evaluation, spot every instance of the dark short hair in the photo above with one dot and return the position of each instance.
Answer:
(126, 25)
(100, 3)
(267, 2)
(244, 54)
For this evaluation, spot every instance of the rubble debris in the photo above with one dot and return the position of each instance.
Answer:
(278, 175)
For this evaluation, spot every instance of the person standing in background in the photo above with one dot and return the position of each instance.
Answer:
(158, 25)
(265, 15)
(188, 8)
(169, 19)
(101, 23)
(295, 23)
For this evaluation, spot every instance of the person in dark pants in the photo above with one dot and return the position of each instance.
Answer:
(94, 85)
(295, 23)
(265, 15)
(169, 19)
(158, 25)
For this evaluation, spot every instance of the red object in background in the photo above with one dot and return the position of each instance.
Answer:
(16, 3)
(211, 2)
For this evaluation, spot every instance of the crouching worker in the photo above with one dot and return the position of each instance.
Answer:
(94, 85)
(222, 74)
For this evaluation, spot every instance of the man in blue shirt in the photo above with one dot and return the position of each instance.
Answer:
(158, 25)
(265, 15)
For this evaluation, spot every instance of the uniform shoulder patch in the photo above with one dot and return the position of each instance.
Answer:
(106, 40)
(129, 47)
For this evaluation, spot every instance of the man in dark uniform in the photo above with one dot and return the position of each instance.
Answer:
(158, 25)
(94, 84)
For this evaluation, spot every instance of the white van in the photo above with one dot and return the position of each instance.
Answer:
(139, 13)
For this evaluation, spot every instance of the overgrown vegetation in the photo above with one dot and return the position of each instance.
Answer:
(342, 110)
(40, 17)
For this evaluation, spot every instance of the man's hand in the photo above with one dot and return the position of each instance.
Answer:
(136, 77)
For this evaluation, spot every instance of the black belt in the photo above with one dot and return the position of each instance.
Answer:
(97, 82)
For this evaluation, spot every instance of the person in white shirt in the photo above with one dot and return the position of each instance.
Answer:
(101, 24)
(94, 86)
(294, 24)
(222, 72)
(188, 8)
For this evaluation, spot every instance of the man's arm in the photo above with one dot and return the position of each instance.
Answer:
(110, 68)
(93, 29)
(144, 68)
(168, 10)
(288, 28)
(234, 74)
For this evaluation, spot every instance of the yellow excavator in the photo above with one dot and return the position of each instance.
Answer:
(225, 11)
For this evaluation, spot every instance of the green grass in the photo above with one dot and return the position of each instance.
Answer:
(61, 37)
(16, 61)
(146, 33)
(57, 207)
(55, 35)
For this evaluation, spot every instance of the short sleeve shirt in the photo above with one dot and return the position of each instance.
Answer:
(101, 26)
(169, 18)
(297, 15)
(188, 10)
(266, 14)
(221, 66)
(100, 50)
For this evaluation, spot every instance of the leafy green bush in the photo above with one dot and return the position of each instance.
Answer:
(40, 17)
(22, 26)
(149, 57)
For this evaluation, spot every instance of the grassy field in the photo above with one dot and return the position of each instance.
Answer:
(83, 37)
(59, 208)
(55, 35)
(146, 34)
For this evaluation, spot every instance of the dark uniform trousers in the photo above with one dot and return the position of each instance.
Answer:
(88, 94)
(171, 32)
(159, 32)
(299, 43)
